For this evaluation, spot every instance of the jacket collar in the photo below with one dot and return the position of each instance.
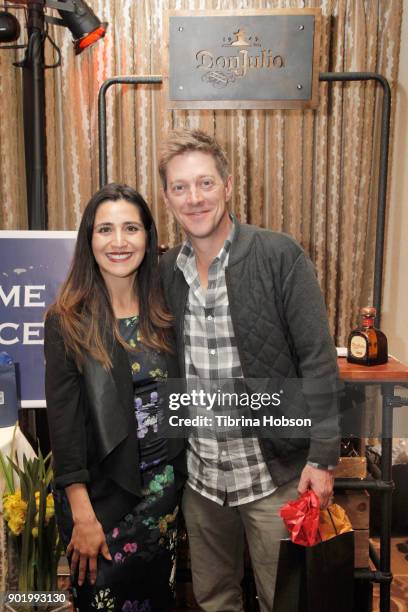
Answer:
(242, 243)
(242, 238)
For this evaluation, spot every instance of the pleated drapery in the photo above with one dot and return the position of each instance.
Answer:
(312, 174)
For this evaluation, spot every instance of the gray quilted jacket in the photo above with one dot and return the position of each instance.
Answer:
(282, 335)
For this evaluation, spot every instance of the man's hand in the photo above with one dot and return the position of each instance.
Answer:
(321, 481)
(87, 542)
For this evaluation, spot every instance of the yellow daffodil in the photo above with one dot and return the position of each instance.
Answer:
(14, 511)
(49, 508)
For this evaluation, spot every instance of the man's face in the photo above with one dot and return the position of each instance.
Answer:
(197, 195)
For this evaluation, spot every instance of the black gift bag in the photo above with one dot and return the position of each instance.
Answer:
(316, 578)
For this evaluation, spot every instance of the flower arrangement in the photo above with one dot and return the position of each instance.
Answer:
(28, 510)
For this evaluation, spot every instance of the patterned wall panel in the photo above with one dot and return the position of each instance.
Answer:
(309, 173)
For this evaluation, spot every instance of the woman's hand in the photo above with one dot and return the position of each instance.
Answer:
(87, 542)
(87, 539)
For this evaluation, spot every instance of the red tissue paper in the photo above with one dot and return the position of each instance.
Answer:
(301, 516)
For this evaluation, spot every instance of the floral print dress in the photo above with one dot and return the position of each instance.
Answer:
(141, 575)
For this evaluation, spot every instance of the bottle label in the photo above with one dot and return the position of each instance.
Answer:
(358, 347)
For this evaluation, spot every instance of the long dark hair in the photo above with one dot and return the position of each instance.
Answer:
(83, 305)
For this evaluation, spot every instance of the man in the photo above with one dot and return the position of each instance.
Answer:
(247, 306)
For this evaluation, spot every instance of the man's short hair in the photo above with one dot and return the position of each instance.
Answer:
(182, 141)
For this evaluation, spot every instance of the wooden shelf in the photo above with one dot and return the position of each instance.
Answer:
(394, 371)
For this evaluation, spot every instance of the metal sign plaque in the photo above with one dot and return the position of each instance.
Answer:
(243, 59)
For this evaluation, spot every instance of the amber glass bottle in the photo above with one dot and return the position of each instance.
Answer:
(367, 344)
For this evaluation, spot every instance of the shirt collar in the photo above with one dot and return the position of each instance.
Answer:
(187, 251)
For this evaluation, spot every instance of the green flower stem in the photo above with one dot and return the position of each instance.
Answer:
(38, 556)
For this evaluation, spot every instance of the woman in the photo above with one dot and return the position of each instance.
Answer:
(108, 351)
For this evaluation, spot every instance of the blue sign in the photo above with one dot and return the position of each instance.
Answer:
(33, 266)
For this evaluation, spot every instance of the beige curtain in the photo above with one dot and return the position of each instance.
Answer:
(309, 173)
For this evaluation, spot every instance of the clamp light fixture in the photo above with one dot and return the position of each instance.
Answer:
(85, 27)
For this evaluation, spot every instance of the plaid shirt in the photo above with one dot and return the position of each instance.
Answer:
(229, 471)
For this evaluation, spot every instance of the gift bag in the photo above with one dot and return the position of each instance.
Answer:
(332, 522)
(317, 578)
(301, 517)
(316, 565)
(8, 391)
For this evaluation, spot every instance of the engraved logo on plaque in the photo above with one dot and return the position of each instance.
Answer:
(246, 54)
(243, 59)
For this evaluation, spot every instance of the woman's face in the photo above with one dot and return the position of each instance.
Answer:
(119, 239)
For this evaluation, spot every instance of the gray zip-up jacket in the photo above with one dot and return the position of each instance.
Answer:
(281, 329)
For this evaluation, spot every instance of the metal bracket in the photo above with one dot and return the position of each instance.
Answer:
(68, 6)
(54, 20)
(13, 46)
(121, 80)
(383, 170)
(353, 484)
(372, 575)
(395, 401)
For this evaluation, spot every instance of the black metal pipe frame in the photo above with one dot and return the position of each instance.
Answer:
(383, 173)
(121, 80)
(324, 76)
(368, 485)
(385, 484)
(34, 118)
(382, 574)
(373, 576)
(387, 391)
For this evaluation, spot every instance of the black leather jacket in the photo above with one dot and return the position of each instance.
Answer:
(92, 427)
